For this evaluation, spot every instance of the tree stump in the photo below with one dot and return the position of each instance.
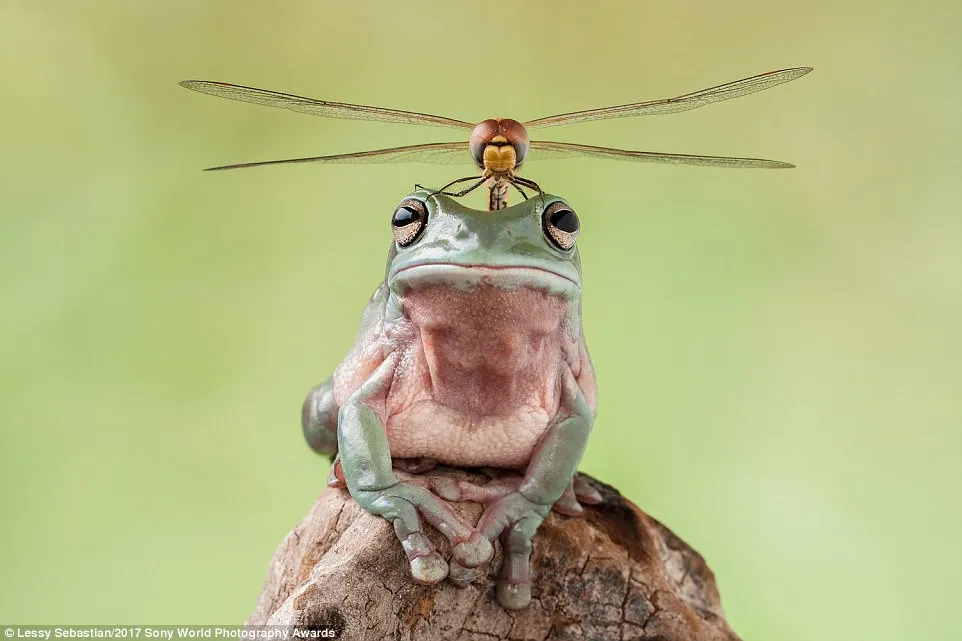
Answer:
(615, 573)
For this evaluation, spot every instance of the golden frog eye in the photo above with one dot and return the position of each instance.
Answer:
(409, 220)
(561, 225)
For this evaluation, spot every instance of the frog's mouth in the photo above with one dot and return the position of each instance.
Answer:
(507, 277)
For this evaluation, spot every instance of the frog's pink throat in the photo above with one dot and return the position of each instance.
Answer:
(467, 277)
(479, 372)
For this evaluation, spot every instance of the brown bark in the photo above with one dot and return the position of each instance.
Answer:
(616, 573)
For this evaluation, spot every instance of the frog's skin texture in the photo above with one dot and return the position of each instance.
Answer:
(470, 353)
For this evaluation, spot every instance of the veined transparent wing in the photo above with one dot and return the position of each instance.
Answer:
(541, 150)
(319, 107)
(444, 153)
(688, 101)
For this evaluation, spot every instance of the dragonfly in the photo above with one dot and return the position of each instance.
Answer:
(499, 146)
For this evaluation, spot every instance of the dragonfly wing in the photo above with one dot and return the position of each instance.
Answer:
(445, 153)
(542, 150)
(319, 107)
(688, 101)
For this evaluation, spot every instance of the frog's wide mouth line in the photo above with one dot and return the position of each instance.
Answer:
(510, 276)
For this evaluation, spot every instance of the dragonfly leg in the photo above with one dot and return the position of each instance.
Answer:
(442, 189)
(463, 192)
(437, 191)
(467, 191)
(530, 184)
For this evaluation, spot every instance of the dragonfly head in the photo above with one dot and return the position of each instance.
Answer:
(499, 144)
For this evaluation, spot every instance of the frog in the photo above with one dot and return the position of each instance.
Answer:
(470, 353)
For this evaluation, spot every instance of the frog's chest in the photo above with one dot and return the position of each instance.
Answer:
(479, 375)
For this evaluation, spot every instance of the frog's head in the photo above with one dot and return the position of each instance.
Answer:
(438, 241)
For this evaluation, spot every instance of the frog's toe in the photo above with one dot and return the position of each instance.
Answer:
(447, 489)
(415, 465)
(473, 551)
(457, 491)
(585, 491)
(427, 566)
(568, 506)
(514, 587)
(336, 478)
(460, 575)
(514, 596)
(429, 569)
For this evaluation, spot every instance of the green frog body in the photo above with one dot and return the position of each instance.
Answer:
(470, 353)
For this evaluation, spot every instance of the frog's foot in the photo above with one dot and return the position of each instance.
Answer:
(515, 519)
(319, 418)
(514, 590)
(579, 491)
(404, 504)
(415, 465)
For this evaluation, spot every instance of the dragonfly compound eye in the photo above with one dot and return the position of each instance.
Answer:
(517, 137)
(480, 137)
(561, 225)
(409, 220)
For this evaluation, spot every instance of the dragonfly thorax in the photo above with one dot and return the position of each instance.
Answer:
(499, 145)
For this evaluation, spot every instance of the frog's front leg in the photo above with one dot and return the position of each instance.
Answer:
(516, 516)
(365, 457)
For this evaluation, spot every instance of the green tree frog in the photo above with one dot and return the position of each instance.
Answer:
(469, 354)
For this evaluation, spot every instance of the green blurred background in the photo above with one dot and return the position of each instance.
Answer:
(779, 353)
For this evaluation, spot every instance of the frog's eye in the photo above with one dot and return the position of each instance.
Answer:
(408, 221)
(560, 225)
